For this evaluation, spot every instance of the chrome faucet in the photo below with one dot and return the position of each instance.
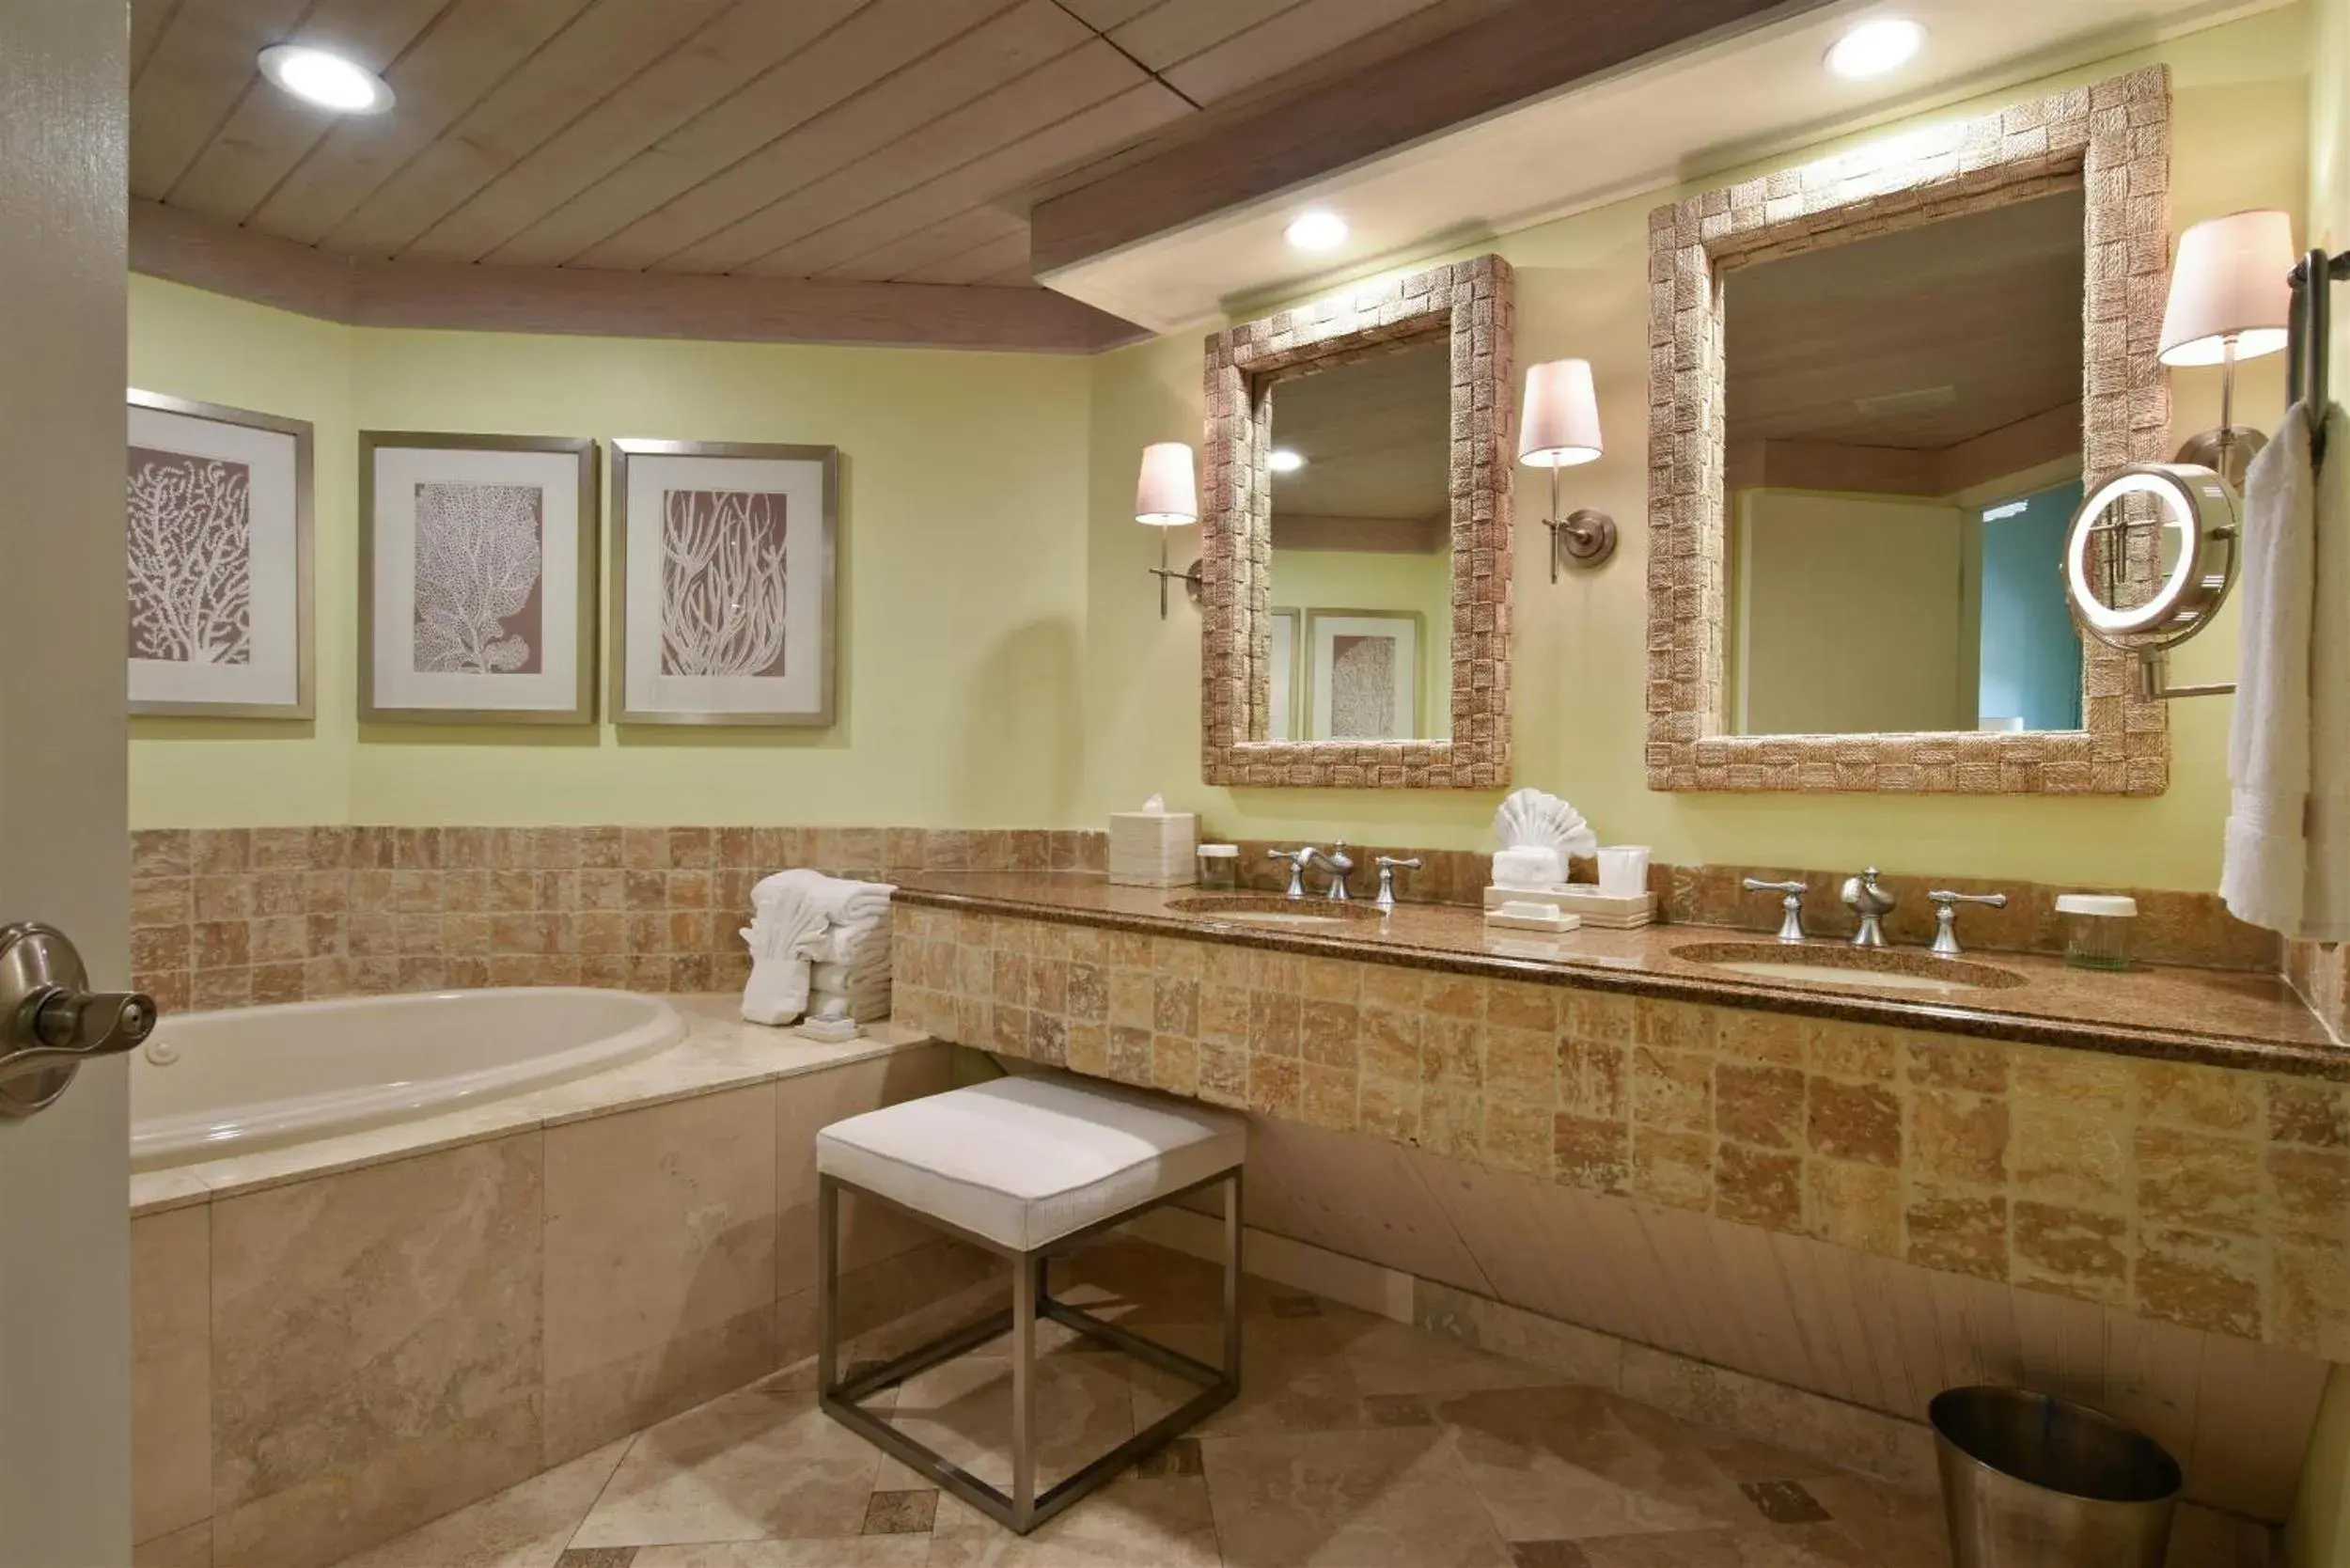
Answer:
(1946, 917)
(1389, 866)
(1789, 904)
(1299, 859)
(1864, 898)
(1339, 864)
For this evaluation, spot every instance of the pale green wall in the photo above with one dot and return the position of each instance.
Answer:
(1382, 580)
(961, 578)
(1809, 568)
(1577, 659)
(1003, 661)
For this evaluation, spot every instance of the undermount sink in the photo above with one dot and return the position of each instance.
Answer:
(1270, 909)
(1822, 963)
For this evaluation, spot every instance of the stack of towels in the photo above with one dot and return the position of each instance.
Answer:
(820, 946)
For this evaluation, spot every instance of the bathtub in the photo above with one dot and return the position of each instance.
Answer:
(209, 1085)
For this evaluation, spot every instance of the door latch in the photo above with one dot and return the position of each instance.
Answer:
(51, 1022)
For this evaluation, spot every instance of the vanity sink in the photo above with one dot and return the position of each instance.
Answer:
(1878, 968)
(1269, 909)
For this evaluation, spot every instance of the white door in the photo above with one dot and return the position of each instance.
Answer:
(65, 1288)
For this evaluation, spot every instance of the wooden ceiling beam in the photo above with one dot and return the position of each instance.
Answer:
(569, 301)
(1520, 52)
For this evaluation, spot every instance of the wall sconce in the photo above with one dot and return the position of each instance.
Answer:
(1558, 428)
(1167, 497)
(2231, 301)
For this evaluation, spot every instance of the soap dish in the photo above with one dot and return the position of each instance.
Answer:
(1596, 909)
(1531, 915)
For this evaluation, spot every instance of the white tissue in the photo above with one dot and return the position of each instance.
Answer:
(1155, 805)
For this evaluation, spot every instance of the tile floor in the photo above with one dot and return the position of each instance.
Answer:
(1356, 1443)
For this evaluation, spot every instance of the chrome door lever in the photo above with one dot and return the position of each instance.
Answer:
(51, 1022)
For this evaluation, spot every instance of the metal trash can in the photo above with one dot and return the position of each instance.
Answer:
(2029, 1481)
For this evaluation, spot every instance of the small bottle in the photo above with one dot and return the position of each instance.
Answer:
(2097, 928)
(1219, 868)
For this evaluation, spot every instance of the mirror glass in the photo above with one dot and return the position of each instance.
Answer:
(1903, 455)
(1361, 575)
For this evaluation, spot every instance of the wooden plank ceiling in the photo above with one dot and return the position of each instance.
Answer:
(881, 140)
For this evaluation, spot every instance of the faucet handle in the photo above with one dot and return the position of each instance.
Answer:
(1388, 865)
(1790, 904)
(1340, 865)
(1946, 917)
(1299, 859)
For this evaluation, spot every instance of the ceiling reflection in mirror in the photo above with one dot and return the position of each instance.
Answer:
(1361, 574)
(1903, 455)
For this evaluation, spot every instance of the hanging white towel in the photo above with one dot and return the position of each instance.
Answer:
(2325, 902)
(2288, 745)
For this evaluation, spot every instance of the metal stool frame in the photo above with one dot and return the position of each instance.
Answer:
(1023, 1509)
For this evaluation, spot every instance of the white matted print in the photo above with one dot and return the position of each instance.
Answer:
(478, 561)
(1281, 678)
(217, 551)
(1365, 675)
(722, 583)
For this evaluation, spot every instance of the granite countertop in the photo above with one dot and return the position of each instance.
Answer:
(2223, 1017)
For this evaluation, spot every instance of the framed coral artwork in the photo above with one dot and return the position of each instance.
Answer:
(722, 582)
(217, 557)
(477, 578)
(1364, 675)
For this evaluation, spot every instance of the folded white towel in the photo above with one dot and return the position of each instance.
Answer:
(777, 992)
(842, 977)
(840, 901)
(2288, 830)
(859, 946)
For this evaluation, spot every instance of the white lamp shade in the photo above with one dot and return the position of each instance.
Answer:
(1559, 427)
(1168, 495)
(2230, 283)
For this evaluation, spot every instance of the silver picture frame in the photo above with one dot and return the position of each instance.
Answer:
(820, 714)
(582, 708)
(305, 705)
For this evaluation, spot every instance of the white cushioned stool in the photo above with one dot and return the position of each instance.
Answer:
(1025, 1167)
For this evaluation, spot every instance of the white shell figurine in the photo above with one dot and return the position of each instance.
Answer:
(1538, 832)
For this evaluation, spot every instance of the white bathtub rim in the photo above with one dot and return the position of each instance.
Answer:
(260, 1127)
(717, 1055)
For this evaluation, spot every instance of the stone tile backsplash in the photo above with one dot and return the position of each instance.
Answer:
(229, 917)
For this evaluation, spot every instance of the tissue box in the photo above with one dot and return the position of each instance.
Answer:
(1151, 849)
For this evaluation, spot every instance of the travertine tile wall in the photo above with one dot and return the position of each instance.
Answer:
(2214, 1199)
(548, 1291)
(228, 916)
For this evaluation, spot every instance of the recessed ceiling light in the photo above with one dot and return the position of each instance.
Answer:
(1874, 48)
(324, 79)
(1318, 230)
(1282, 460)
